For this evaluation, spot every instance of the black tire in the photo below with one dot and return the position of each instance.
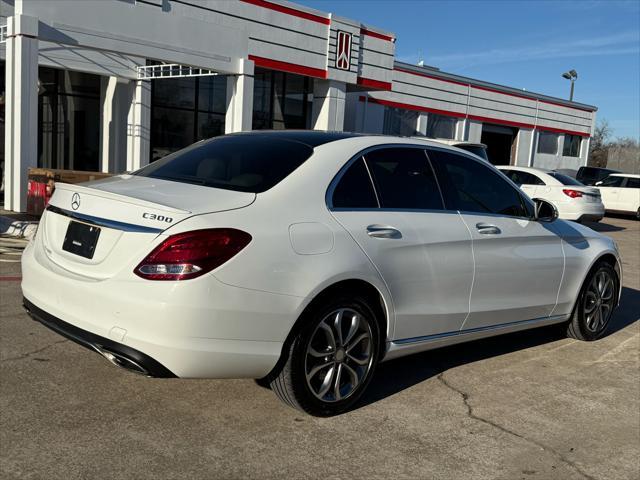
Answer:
(290, 383)
(582, 325)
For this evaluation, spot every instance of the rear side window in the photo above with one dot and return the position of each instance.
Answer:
(404, 179)
(469, 186)
(354, 190)
(237, 162)
(633, 182)
(523, 178)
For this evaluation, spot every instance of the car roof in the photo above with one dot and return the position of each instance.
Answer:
(311, 138)
(454, 143)
(524, 169)
(629, 175)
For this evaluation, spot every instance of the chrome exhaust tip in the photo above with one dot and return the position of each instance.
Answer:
(121, 361)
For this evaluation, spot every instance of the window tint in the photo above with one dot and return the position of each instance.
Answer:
(612, 182)
(571, 147)
(354, 190)
(471, 186)
(565, 179)
(404, 179)
(476, 150)
(633, 182)
(548, 143)
(523, 178)
(247, 163)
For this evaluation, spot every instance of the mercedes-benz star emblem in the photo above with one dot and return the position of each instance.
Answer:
(75, 201)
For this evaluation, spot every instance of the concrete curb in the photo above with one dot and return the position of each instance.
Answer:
(17, 228)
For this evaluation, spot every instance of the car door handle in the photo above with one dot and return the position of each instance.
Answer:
(487, 229)
(383, 231)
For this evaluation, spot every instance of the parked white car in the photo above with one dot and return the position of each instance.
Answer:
(306, 258)
(573, 200)
(621, 193)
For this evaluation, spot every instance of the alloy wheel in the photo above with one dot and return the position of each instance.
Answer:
(599, 301)
(339, 355)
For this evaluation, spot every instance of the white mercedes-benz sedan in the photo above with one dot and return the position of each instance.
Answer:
(305, 258)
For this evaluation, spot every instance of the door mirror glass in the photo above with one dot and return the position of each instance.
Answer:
(545, 211)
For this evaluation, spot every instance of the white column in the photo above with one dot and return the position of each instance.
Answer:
(21, 108)
(139, 125)
(116, 96)
(239, 103)
(421, 126)
(328, 105)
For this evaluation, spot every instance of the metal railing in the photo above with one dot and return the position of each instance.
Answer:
(171, 70)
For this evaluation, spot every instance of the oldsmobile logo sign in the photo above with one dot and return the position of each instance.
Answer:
(343, 51)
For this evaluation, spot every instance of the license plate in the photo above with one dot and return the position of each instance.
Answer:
(81, 239)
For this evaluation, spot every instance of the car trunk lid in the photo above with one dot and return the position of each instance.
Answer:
(120, 217)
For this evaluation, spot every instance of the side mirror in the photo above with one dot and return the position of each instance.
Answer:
(599, 183)
(545, 211)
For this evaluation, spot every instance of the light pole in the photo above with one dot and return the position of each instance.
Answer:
(572, 76)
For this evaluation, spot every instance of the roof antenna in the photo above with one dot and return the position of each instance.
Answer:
(420, 58)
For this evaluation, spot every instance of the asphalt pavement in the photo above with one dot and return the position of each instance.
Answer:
(531, 405)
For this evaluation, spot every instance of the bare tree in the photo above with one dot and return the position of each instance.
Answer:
(598, 151)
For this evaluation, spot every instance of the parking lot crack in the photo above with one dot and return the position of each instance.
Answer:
(471, 414)
(33, 352)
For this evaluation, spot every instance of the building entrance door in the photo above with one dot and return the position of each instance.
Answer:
(500, 142)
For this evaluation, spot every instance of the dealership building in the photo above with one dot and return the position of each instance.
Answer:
(111, 85)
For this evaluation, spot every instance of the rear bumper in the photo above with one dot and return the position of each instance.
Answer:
(201, 328)
(592, 212)
(118, 354)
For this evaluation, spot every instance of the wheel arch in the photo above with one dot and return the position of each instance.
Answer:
(379, 302)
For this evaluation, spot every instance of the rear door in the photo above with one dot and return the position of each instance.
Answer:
(422, 252)
(610, 192)
(518, 262)
(629, 196)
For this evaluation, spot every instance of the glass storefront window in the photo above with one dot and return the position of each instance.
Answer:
(68, 119)
(281, 100)
(185, 110)
(441, 126)
(398, 121)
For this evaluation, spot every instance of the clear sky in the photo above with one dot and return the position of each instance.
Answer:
(523, 44)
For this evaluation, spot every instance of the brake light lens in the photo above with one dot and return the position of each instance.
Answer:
(191, 254)
(572, 193)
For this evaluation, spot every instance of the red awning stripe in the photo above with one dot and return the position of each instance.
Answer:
(288, 67)
(289, 11)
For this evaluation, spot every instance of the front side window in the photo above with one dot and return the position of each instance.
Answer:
(548, 143)
(571, 147)
(441, 126)
(612, 182)
(470, 186)
(236, 162)
(354, 189)
(404, 179)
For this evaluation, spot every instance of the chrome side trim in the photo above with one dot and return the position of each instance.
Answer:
(103, 222)
(407, 346)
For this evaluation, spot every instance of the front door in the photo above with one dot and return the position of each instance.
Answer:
(518, 262)
(422, 252)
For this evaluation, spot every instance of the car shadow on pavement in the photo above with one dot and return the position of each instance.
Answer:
(603, 227)
(396, 375)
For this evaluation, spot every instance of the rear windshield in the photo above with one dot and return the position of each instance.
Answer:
(564, 179)
(246, 163)
(476, 150)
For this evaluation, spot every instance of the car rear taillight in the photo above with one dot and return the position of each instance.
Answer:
(191, 254)
(572, 193)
